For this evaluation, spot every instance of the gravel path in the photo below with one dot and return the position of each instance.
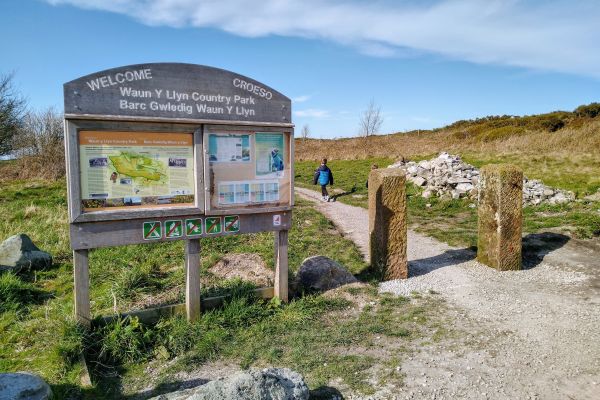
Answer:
(530, 334)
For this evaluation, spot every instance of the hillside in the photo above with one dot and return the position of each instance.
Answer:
(560, 148)
(558, 133)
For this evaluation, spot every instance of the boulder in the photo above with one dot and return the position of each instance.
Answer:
(419, 181)
(319, 273)
(559, 198)
(23, 386)
(18, 252)
(246, 266)
(412, 170)
(548, 192)
(427, 194)
(464, 187)
(593, 197)
(425, 164)
(268, 384)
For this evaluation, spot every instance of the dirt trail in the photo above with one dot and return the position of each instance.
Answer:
(530, 334)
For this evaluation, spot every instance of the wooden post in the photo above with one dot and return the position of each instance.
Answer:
(387, 223)
(192, 279)
(281, 265)
(81, 276)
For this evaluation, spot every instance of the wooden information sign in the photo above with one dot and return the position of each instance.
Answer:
(162, 152)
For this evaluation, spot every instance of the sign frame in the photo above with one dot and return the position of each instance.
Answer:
(252, 130)
(76, 213)
(105, 228)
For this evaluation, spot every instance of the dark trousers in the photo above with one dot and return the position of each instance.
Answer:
(324, 190)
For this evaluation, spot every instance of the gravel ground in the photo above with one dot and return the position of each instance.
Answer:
(530, 334)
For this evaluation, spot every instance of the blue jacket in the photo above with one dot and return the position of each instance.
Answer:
(323, 176)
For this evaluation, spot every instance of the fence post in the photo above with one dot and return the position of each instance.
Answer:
(387, 222)
(81, 283)
(281, 265)
(500, 217)
(192, 279)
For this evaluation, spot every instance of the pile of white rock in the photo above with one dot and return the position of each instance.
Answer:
(447, 176)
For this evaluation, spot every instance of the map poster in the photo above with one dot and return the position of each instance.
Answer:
(228, 148)
(121, 169)
(270, 155)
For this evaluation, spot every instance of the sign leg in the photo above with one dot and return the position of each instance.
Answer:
(81, 276)
(192, 279)
(281, 265)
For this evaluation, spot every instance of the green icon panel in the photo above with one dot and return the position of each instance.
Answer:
(152, 230)
(212, 225)
(193, 227)
(173, 229)
(231, 223)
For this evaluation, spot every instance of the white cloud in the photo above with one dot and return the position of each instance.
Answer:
(553, 35)
(312, 113)
(301, 99)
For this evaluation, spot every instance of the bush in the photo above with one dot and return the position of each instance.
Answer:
(552, 123)
(12, 108)
(39, 146)
(589, 111)
(502, 133)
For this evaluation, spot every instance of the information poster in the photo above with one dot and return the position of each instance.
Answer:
(228, 148)
(270, 155)
(120, 169)
(248, 192)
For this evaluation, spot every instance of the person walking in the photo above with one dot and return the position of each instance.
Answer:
(323, 176)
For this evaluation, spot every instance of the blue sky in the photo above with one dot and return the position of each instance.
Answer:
(425, 63)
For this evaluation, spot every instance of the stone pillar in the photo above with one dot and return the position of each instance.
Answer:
(500, 216)
(387, 222)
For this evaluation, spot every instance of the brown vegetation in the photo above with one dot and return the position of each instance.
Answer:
(39, 147)
(559, 134)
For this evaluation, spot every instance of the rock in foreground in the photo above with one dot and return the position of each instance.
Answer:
(23, 386)
(268, 384)
(18, 252)
(320, 273)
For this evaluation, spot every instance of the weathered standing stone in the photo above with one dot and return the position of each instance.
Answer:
(320, 273)
(268, 384)
(387, 222)
(500, 217)
(18, 252)
(23, 386)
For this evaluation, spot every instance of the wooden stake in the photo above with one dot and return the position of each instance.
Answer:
(281, 265)
(81, 276)
(192, 279)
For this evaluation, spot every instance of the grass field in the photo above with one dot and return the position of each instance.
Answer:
(326, 338)
(455, 221)
(39, 334)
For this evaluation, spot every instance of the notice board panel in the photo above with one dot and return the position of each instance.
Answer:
(248, 169)
(128, 170)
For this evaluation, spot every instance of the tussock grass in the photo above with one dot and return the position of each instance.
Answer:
(45, 340)
(16, 295)
(580, 137)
